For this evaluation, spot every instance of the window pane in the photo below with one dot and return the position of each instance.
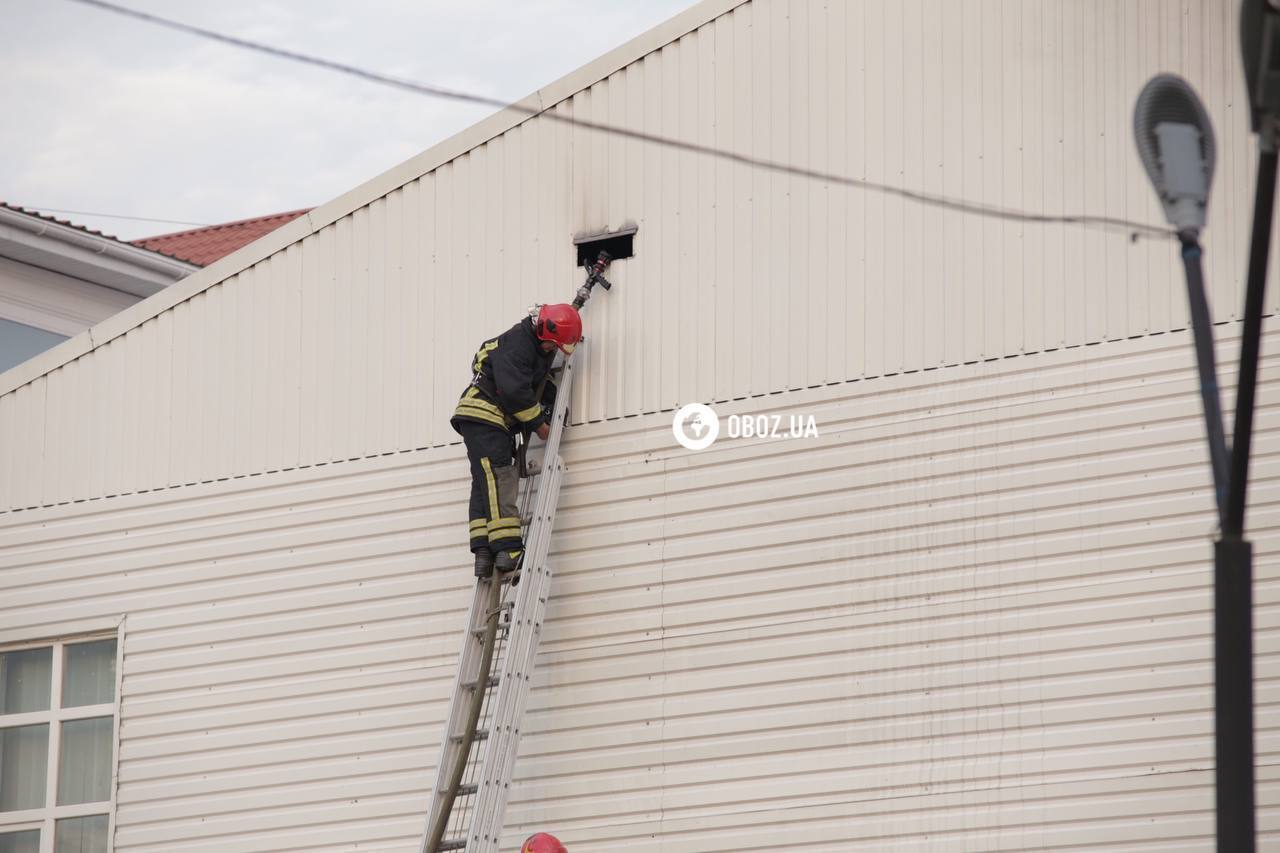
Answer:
(85, 763)
(19, 342)
(84, 767)
(24, 765)
(24, 680)
(89, 676)
(81, 835)
(27, 841)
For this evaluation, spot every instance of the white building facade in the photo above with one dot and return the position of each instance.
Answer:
(58, 279)
(974, 613)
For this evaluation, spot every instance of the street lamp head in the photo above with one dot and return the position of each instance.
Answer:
(1175, 142)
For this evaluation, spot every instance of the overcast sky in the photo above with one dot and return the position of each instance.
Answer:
(108, 114)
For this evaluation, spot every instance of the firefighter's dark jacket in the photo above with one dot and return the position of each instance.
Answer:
(506, 374)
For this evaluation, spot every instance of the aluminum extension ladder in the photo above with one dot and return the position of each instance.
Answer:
(482, 736)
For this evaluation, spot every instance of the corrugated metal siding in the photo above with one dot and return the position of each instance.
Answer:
(974, 614)
(352, 342)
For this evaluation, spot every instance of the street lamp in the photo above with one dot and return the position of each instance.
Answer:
(1176, 145)
(1175, 142)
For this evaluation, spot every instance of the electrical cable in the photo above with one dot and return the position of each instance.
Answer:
(1133, 228)
(42, 209)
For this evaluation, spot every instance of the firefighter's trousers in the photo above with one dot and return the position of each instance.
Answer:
(494, 521)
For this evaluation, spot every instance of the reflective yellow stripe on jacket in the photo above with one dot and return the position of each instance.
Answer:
(526, 415)
(472, 405)
(482, 354)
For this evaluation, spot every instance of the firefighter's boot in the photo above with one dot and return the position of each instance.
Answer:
(507, 561)
(484, 563)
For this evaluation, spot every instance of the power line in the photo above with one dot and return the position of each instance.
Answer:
(41, 209)
(1135, 229)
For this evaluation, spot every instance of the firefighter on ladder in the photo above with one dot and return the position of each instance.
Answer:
(502, 399)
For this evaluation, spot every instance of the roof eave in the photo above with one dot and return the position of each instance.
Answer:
(98, 259)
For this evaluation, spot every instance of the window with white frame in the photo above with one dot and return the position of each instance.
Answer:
(57, 746)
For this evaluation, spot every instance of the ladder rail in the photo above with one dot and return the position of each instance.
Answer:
(468, 664)
(560, 412)
(457, 747)
(517, 663)
(517, 669)
(541, 490)
(492, 599)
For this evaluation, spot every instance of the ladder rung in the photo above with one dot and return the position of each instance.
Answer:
(453, 844)
(471, 685)
(467, 790)
(503, 609)
(481, 734)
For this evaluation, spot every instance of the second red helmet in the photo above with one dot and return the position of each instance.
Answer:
(560, 324)
(542, 842)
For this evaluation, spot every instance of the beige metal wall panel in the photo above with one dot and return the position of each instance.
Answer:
(974, 613)
(347, 337)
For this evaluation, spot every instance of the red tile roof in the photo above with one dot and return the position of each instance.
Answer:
(203, 246)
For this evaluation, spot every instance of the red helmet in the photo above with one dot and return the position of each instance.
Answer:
(559, 323)
(543, 842)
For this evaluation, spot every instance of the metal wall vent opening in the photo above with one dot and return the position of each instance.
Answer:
(619, 244)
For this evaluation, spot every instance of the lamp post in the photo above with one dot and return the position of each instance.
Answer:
(1175, 142)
